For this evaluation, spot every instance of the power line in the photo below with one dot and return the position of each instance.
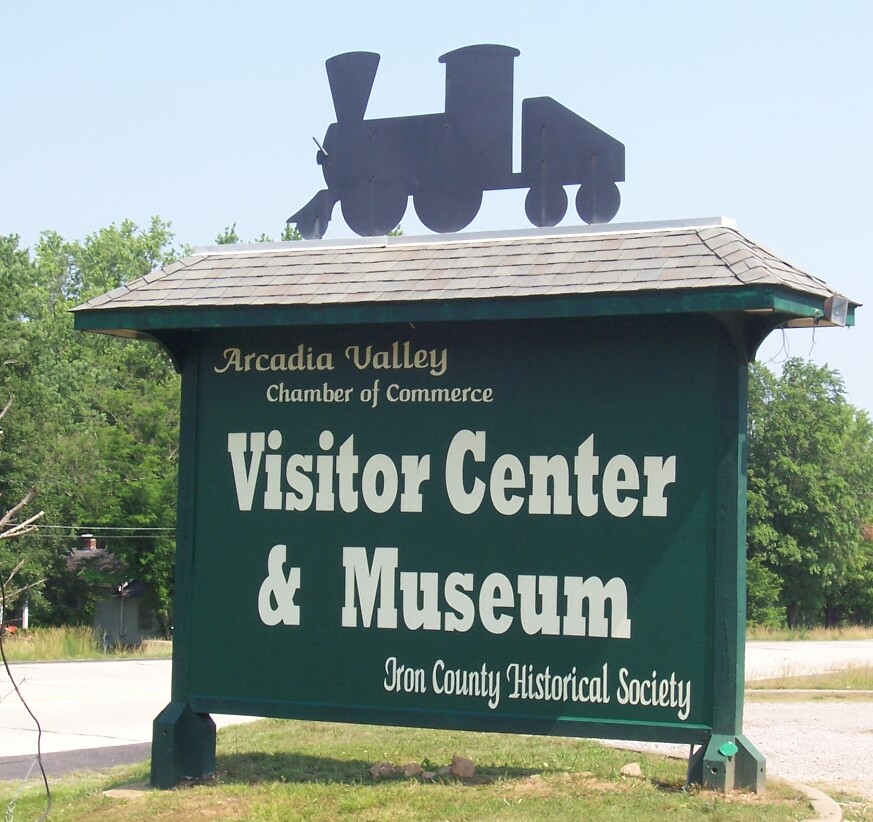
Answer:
(73, 537)
(104, 528)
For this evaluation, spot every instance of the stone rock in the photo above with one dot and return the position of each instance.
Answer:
(462, 768)
(429, 775)
(413, 769)
(136, 790)
(382, 769)
(446, 770)
(632, 771)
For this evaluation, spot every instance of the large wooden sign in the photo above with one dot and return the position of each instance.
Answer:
(493, 483)
(505, 526)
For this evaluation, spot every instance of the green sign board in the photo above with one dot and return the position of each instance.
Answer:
(506, 525)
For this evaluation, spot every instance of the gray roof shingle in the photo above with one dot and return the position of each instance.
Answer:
(710, 254)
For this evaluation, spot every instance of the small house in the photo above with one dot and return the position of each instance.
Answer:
(122, 615)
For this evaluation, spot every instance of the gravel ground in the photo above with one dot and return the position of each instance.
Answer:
(820, 743)
(824, 744)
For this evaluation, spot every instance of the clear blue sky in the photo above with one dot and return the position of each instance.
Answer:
(203, 113)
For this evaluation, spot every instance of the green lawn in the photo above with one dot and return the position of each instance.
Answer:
(283, 770)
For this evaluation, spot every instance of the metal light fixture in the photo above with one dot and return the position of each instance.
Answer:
(835, 309)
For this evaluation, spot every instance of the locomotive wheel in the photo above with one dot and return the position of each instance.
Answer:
(370, 212)
(545, 205)
(598, 203)
(442, 210)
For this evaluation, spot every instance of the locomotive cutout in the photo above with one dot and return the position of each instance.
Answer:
(446, 161)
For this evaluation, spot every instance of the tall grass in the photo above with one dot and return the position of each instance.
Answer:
(851, 678)
(68, 643)
(850, 632)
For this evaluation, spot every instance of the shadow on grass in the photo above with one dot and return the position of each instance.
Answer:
(294, 768)
(254, 768)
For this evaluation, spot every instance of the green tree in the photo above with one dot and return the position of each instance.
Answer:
(229, 236)
(22, 566)
(15, 521)
(95, 419)
(810, 498)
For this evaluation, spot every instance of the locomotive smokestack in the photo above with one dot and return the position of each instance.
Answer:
(479, 90)
(351, 77)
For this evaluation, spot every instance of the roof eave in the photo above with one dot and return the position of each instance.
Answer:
(798, 309)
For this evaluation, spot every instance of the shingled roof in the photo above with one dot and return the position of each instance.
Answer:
(632, 260)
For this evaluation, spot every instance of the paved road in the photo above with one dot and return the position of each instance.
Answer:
(109, 706)
(772, 659)
(92, 714)
(82, 704)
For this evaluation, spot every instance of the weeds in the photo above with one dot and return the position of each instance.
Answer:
(71, 642)
(757, 633)
(852, 678)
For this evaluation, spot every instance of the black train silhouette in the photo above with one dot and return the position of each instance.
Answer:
(446, 161)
